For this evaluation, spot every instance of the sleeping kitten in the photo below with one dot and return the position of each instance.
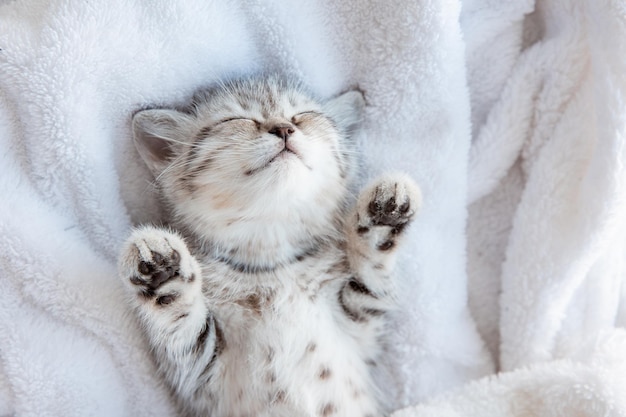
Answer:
(267, 296)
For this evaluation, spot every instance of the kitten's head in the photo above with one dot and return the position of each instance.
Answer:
(256, 150)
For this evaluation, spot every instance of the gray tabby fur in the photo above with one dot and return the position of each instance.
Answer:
(266, 295)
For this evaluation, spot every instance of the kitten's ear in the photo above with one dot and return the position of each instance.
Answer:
(157, 134)
(346, 110)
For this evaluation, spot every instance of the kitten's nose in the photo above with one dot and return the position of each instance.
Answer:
(282, 131)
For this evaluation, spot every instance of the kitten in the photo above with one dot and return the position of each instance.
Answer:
(267, 296)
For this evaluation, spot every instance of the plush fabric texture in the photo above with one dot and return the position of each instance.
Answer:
(510, 115)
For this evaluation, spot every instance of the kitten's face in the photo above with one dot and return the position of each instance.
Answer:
(252, 149)
(264, 140)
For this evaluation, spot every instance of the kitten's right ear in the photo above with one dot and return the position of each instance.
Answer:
(347, 111)
(157, 133)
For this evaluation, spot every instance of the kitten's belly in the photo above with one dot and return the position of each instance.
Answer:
(295, 359)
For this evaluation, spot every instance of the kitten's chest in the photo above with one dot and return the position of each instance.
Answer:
(289, 345)
(279, 305)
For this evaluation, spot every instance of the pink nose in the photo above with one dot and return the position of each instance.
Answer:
(282, 131)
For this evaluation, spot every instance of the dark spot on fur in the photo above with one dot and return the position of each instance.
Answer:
(311, 347)
(182, 316)
(280, 396)
(371, 362)
(352, 315)
(186, 182)
(386, 245)
(325, 373)
(270, 377)
(253, 302)
(362, 229)
(136, 280)
(166, 299)
(211, 325)
(379, 266)
(220, 342)
(218, 346)
(340, 267)
(203, 334)
(327, 409)
(204, 132)
(358, 286)
(194, 172)
(312, 250)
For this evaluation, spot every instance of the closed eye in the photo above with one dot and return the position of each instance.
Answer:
(239, 118)
(295, 119)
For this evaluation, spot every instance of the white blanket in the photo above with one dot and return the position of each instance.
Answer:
(540, 170)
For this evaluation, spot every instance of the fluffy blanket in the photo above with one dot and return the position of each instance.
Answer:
(510, 115)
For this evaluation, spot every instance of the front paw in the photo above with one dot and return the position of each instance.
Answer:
(389, 203)
(157, 266)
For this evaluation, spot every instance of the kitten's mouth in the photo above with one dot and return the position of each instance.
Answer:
(286, 152)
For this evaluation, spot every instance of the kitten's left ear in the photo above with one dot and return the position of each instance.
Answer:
(346, 110)
(157, 135)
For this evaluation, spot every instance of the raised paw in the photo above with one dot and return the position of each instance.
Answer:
(389, 203)
(157, 265)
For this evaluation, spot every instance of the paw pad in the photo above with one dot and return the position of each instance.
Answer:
(152, 273)
(391, 204)
(384, 210)
(153, 260)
